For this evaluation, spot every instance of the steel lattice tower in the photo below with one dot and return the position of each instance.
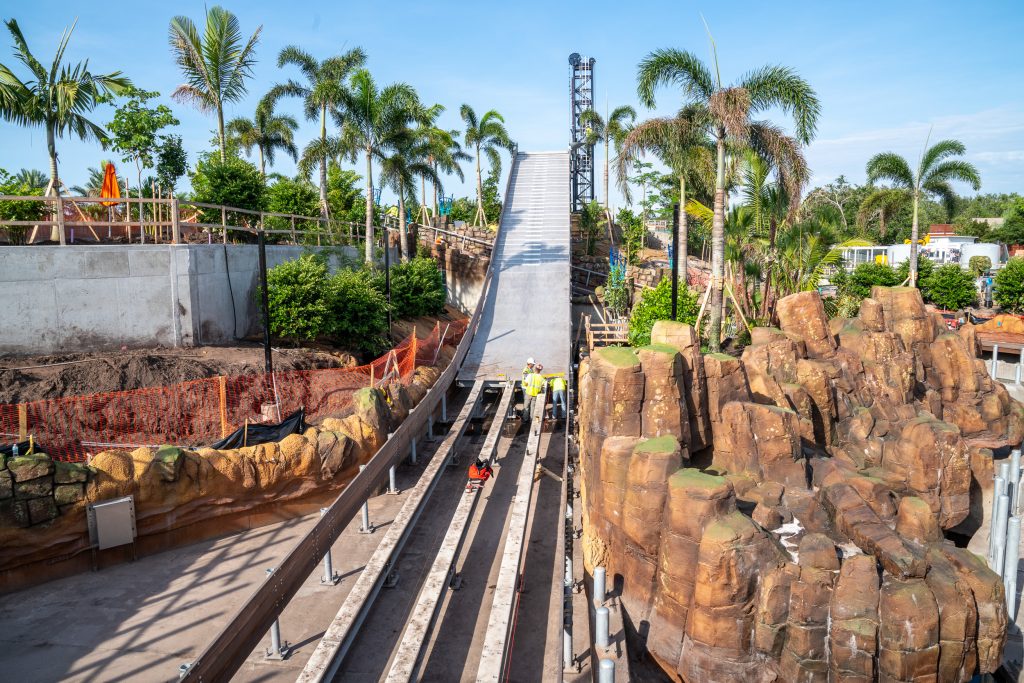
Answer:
(581, 155)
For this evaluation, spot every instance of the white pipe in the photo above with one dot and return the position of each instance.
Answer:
(1012, 557)
(998, 489)
(999, 531)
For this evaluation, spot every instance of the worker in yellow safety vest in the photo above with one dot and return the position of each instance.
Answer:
(533, 386)
(558, 386)
(528, 369)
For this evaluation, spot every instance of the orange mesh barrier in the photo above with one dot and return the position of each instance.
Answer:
(202, 411)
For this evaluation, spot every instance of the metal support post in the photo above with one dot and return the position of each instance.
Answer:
(998, 489)
(600, 573)
(412, 451)
(999, 531)
(430, 429)
(995, 360)
(1012, 557)
(392, 488)
(1014, 480)
(444, 408)
(1020, 364)
(330, 576)
(601, 635)
(606, 671)
(364, 526)
(277, 651)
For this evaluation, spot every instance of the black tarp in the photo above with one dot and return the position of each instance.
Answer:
(23, 448)
(256, 433)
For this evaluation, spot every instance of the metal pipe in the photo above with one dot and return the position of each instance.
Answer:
(392, 488)
(599, 585)
(275, 651)
(1015, 480)
(412, 451)
(567, 658)
(1010, 562)
(1020, 364)
(995, 360)
(444, 408)
(999, 531)
(998, 489)
(364, 526)
(606, 671)
(601, 635)
(430, 428)
(329, 575)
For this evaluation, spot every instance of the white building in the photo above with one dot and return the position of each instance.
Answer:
(942, 246)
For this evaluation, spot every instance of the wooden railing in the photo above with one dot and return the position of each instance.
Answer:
(606, 334)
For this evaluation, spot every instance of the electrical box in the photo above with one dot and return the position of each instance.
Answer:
(112, 523)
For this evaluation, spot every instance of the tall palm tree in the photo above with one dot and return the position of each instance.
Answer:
(725, 112)
(485, 134)
(611, 132)
(33, 178)
(56, 99)
(445, 156)
(214, 64)
(935, 170)
(409, 159)
(267, 132)
(685, 149)
(375, 121)
(323, 95)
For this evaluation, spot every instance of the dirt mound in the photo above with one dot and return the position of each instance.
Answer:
(30, 378)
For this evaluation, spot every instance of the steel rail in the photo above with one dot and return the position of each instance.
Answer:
(408, 658)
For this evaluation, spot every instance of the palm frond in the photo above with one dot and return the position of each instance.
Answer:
(892, 167)
(673, 67)
(780, 86)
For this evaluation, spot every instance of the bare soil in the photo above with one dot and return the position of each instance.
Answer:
(31, 378)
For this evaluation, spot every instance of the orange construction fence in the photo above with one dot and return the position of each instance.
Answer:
(202, 411)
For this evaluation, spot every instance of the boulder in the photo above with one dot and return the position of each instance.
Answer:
(32, 466)
(908, 633)
(854, 618)
(761, 442)
(664, 409)
(803, 315)
(683, 339)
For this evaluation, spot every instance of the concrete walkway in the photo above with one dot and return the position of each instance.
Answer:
(140, 621)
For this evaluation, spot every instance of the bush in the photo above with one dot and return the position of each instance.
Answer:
(950, 287)
(19, 211)
(979, 264)
(864, 277)
(234, 183)
(297, 292)
(417, 288)
(925, 268)
(616, 292)
(656, 304)
(359, 312)
(1009, 286)
(296, 196)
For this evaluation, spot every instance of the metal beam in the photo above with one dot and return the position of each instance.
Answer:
(407, 660)
(495, 646)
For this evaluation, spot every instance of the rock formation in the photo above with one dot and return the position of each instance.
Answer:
(810, 546)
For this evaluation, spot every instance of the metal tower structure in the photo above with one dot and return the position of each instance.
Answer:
(581, 155)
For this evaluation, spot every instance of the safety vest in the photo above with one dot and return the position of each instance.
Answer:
(527, 371)
(479, 473)
(533, 384)
(558, 384)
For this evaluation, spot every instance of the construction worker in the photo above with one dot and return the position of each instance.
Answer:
(480, 471)
(533, 386)
(558, 386)
(528, 369)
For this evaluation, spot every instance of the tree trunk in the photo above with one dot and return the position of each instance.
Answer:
(434, 183)
(369, 206)
(772, 230)
(684, 234)
(913, 245)
(481, 217)
(263, 167)
(323, 166)
(56, 232)
(220, 133)
(717, 250)
(403, 229)
(607, 190)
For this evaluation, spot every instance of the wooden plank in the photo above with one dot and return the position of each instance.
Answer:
(22, 422)
(222, 383)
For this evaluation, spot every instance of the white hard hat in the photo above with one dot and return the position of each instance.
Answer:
(529, 361)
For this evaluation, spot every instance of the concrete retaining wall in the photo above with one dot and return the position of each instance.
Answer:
(86, 298)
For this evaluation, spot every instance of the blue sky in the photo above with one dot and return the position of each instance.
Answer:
(886, 73)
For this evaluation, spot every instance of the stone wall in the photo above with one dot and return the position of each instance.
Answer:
(99, 297)
(183, 495)
(782, 516)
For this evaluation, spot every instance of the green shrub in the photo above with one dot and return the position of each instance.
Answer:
(297, 292)
(1009, 286)
(656, 304)
(616, 293)
(359, 312)
(925, 268)
(234, 183)
(417, 288)
(864, 277)
(19, 211)
(950, 287)
(979, 264)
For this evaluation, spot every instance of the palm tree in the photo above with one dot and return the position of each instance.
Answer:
(322, 94)
(375, 121)
(612, 132)
(267, 132)
(94, 184)
(444, 152)
(57, 99)
(408, 160)
(883, 203)
(725, 112)
(935, 171)
(681, 146)
(33, 179)
(215, 64)
(486, 134)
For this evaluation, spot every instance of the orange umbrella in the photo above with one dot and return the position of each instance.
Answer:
(110, 187)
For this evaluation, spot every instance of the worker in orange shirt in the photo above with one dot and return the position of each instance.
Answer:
(479, 472)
